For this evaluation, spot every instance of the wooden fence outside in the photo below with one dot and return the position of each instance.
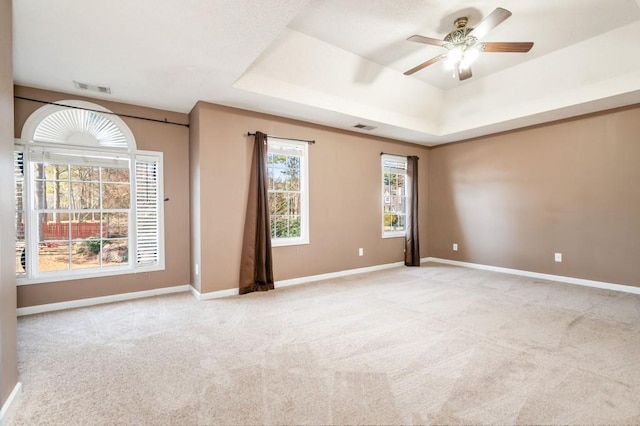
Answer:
(60, 231)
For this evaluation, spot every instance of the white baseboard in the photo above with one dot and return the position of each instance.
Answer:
(30, 310)
(214, 294)
(559, 278)
(296, 281)
(10, 404)
(327, 276)
(50, 307)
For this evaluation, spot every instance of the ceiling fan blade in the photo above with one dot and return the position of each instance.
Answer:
(494, 19)
(424, 65)
(464, 73)
(507, 47)
(426, 40)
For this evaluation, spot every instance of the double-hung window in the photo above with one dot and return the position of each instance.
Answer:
(288, 187)
(87, 202)
(394, 206)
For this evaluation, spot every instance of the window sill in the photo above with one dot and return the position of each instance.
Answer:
(83, 275)
(394, 235)
(285, 243)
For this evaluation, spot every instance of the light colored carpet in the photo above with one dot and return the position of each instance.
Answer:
(431, 345)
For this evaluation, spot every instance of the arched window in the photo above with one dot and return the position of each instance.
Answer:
(88, 203)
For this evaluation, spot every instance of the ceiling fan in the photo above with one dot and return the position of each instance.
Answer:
(463, 44)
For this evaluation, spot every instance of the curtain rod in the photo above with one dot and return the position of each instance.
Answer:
(280, 137)
(387, 153)
(165, 121)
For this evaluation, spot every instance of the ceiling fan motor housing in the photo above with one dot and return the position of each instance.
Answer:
(460, 37)
(463, 47)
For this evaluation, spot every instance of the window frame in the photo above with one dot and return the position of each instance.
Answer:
(304, 192)
(109, 136)
(33, 276)
(385, 233)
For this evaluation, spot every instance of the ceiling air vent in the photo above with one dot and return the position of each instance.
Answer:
(92, 87)
(364, 127)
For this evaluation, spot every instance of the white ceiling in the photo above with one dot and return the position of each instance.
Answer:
(337, 62)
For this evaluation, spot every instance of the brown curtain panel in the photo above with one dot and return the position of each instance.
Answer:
(412, 237)
(256, 268)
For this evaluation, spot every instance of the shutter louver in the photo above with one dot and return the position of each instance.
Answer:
(148, 193)
(61, 126)
(18, 174)
(103, 182)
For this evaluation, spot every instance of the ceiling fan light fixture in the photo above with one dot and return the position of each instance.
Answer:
(461, 57)
(453, 58)
(463, 47)
(469, 57)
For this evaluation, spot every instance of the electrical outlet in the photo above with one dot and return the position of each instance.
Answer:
(558, 257)
(360, 252)
(455, 247)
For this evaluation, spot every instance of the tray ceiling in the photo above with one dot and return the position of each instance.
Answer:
(336, 62)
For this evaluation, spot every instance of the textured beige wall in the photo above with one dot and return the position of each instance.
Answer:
(513, 200)
(344, 187)
(173, 141)
(8, 355)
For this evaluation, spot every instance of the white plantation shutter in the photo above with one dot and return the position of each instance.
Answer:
(87, 135)
(18, 175)
(87, 127)
(149, 210)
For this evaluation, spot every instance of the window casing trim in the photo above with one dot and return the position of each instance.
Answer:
(32, 123)
(393, 234)
(389, 234)
(90, 131)
(35, 277)
(77, 274)
(304, 201)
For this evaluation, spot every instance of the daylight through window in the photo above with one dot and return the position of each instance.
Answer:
(81, 211)
(394, 175)
(288, 191)
(84, 212)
